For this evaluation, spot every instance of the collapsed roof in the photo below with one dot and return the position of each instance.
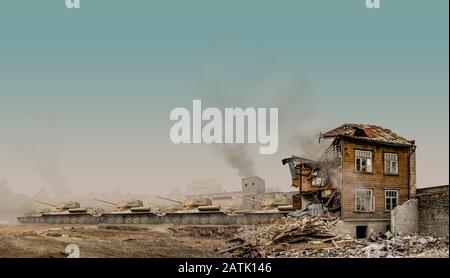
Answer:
(371, 133)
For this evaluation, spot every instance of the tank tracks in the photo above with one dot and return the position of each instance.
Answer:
(176, 218)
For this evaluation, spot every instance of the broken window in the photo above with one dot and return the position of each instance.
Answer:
(390, 199)
(363, 161)
(390, 164)
(364, 200)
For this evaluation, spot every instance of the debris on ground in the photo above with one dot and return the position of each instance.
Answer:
(204, 231)
(310, 236)
(313, 209)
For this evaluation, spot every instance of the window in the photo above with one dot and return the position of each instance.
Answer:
(390, 164)
(253, 183)
(364, 200)
(363, 161)
(390, 199)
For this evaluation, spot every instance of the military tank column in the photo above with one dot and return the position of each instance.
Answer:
(197, 211)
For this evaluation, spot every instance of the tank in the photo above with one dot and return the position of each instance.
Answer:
(129, 212)
(63, 213)
(271, 208)
(198, 211)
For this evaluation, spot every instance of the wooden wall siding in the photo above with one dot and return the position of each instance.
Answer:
(377, 180)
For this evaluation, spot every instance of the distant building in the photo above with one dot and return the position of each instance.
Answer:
(254, 183)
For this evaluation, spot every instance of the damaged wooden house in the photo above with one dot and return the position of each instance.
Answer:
(365, 173)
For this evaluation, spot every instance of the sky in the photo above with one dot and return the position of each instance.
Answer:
(85, 95)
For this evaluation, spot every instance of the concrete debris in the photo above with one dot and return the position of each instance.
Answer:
(314, 209)
(388, 235)
(310, 236)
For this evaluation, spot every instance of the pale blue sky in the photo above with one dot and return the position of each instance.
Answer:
(89, 92)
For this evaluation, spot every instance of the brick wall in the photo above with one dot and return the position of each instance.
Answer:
(433, 210)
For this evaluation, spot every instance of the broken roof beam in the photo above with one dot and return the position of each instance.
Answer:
(331, 158)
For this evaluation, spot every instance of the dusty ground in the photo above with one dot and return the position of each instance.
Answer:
(105, 241)
(169, 241)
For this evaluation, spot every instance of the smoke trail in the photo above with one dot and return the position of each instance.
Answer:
(237, 156)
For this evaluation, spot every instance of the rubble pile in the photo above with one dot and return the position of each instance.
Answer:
(250, 241)
(306, 229)
(308, 237)
(396, 247)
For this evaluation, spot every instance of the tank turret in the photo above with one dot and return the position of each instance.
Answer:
(191, 203)
(197, 202)
(270, 203)
(276, 201)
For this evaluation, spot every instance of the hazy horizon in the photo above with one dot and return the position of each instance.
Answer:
(85, 96)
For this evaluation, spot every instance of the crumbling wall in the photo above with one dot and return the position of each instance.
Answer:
(405, 218)
(433, 210)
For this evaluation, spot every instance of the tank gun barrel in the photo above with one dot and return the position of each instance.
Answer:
(108, 205)
(106, 202)
(44, 203)
(175, 201)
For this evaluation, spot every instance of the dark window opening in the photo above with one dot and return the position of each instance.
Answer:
(388, 228)
(361, 231)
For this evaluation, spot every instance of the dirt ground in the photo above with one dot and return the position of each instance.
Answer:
(176, 241)
(105, 241)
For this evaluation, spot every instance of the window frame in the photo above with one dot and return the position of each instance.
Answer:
(366, 159)
(372, 200)
(385, 160)
(396, 197)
